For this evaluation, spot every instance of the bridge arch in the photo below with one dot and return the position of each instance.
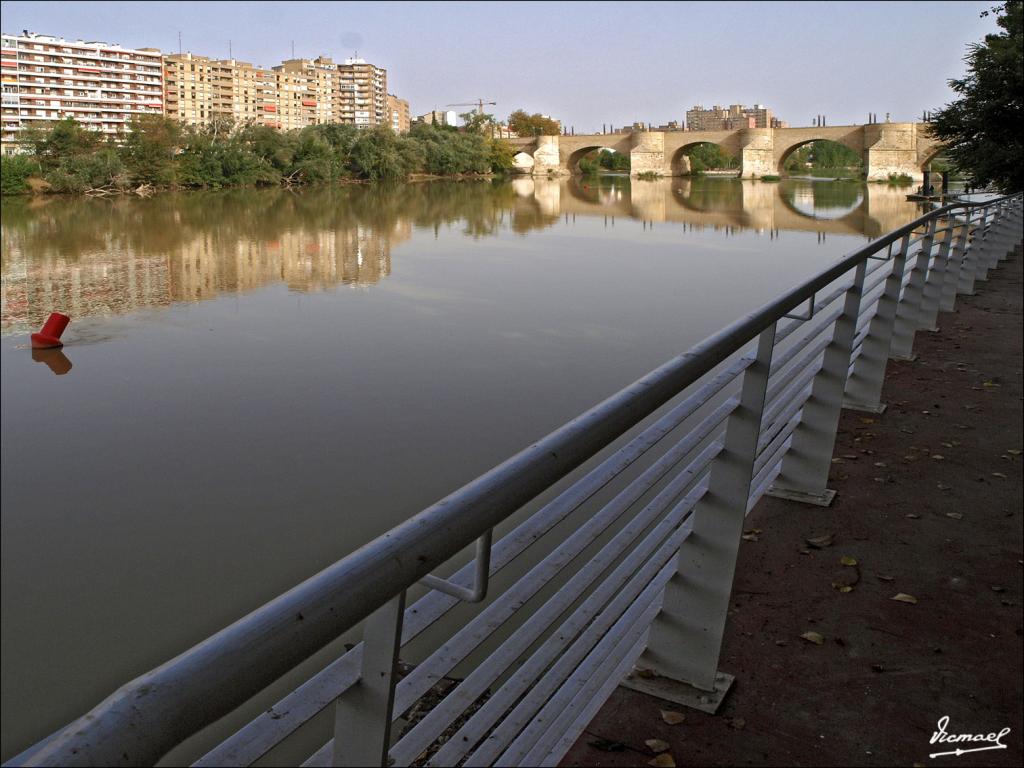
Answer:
(572, 162)
(522, 162)
(680, 161)
(783, 149)
(930, 154)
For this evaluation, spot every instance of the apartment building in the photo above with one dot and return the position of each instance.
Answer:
(353, 92)
(297, 99)
(731, 118)
(364, 93)
(317, 81)
(398, 112)
(101, 85)
(437, 117)
(199, 90)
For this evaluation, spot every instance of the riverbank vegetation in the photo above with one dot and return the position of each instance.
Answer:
(711, 157)
(826, 156)
(604, 161)
(159, 153)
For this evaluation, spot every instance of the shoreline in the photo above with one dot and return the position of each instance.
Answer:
(38, 187)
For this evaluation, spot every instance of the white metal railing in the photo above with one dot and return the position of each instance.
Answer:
(637, 552)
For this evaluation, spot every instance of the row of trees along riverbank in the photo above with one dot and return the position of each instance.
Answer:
(159, 153)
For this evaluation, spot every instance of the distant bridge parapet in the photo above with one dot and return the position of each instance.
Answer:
(886, 148)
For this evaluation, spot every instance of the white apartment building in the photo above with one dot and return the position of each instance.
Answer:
(100, 85)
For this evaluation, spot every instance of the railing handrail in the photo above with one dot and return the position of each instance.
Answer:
(150, 715)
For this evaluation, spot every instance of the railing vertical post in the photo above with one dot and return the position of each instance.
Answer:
(909, 307)
(953, 269)
(1014, 222)
(1009, 227)
(973, 254)
(363, 713)
(991, 245)
(686, 637)
(1016, 227)
(804, 475)
(864, 385)
(933, 285)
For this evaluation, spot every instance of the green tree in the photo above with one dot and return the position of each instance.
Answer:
(612, 160)
(150, 147)
(501, 154)
(63, 140)
(533, 125)
(14, 172)
(711, 157)
(978, 127)
(477, 122)
(380, 155)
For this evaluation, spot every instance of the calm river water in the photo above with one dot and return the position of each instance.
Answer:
(255, 383)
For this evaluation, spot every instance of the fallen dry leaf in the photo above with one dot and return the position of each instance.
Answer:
(847, 560)
(657, 745)
(737, 723)
(884, 577)
(844, 588)
(664, 760)
(903, 597)
(999, 474)
(1013, 452)
(820, 542)
(672, 717)
(813, 637)
(955, 515)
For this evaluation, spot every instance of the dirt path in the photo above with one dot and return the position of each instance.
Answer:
(929, 504)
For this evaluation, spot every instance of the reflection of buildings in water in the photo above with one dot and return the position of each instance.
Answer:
(118, 264)
(112, 281)
(102, 285)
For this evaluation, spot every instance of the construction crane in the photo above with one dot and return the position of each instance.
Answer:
(479, 104)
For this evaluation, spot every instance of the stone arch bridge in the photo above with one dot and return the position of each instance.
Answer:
(887, 148)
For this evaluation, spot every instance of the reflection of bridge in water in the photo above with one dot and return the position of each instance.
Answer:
(94, 258)
(802, 205)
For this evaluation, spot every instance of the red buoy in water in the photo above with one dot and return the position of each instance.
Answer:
(49, 335)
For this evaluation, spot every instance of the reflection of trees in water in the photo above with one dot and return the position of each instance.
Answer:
(823, 196)
(94, 256)
(69, 227)
(709, 194)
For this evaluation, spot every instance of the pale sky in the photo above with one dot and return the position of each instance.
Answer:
(587, 63)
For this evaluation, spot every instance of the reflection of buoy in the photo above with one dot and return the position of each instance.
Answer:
(56, 360)
(49, 335)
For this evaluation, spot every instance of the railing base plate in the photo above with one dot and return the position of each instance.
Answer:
(681, 693)
(817, 499)
(865, 407)
(903, 358)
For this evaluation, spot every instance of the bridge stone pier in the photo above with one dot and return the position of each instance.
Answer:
(886, 148)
